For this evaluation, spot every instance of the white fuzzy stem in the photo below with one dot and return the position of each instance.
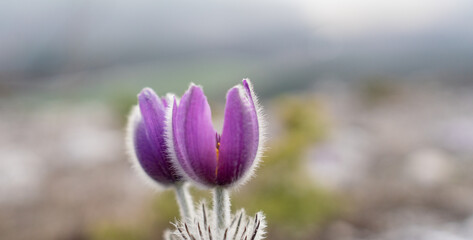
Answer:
(221, 208)
(184, 200)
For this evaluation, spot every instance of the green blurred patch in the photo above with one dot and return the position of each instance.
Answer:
(115, 232)
(164, 206)
(156, 219)
(377, 90)
(121, 102)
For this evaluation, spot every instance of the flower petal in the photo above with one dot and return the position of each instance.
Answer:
(153, 112)
(148, 140)
(240, 137)
(152, 164)
(194, 136)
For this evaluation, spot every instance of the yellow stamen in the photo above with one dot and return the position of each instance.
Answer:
(218, 152)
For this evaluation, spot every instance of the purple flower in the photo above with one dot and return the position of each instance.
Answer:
(146, 140)
(204, 155)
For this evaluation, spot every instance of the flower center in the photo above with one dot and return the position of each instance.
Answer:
(217, 151)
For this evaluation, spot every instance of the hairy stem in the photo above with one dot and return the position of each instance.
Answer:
(221, 207)
(184, 200)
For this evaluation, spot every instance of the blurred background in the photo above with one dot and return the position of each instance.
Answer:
(370, 109)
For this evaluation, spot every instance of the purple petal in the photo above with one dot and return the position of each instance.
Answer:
(240, 137)
(194, 136)
(255, 111)
(153, 112)
(150, 161)
(246, 85)
(150, 145)
(165, 100)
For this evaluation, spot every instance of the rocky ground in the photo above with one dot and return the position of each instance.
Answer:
(63, 168)
(404, 160)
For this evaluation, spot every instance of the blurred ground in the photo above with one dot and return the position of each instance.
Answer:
(373, 159)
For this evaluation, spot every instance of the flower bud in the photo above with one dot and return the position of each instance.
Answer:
(146, 141)
(203, 155)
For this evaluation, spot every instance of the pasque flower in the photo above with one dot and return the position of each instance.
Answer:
(205, 156)
(147, 145)
(171, 142)
(146, 138)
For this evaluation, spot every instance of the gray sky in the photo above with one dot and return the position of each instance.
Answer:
(85, 31)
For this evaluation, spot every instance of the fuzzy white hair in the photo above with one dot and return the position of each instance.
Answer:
(261, 131)
(203, 226)
(134, 118)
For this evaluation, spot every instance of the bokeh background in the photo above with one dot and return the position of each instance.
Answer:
(369, 106)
